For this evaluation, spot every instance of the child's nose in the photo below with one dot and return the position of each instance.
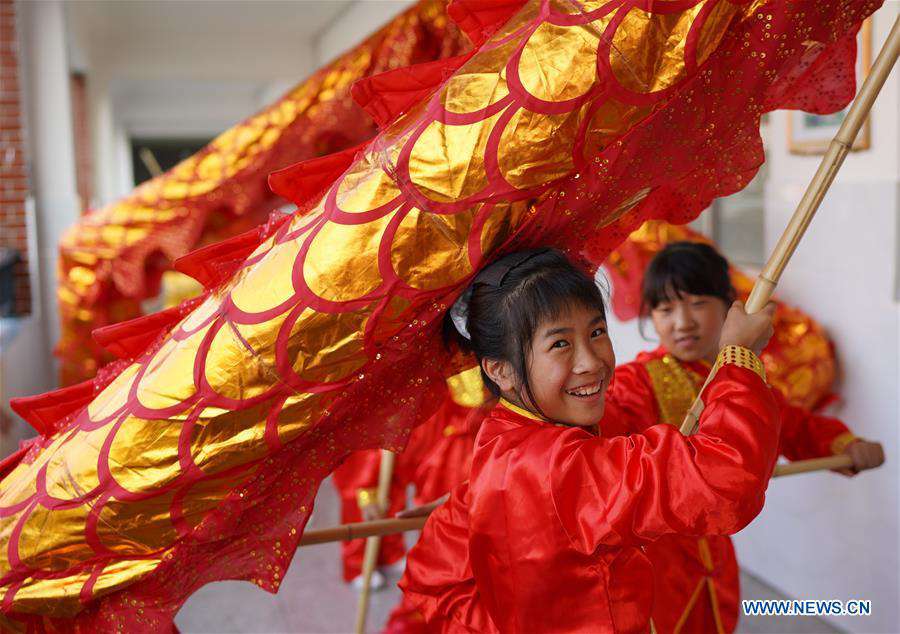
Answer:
(683, 318)
(587, 360)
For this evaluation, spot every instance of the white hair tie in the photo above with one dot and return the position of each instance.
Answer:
(459, 313)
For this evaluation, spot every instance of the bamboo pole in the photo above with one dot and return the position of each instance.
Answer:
(390, 526)
(373, 542)
(345, 532)
(815, 192)
(816, 464)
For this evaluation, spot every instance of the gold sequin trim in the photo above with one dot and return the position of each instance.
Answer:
(741, 357)
(674, 387)
(842, 441)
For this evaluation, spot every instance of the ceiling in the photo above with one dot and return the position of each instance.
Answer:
(143, 18)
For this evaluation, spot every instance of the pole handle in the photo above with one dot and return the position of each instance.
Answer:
(816, 464)
(391, 526)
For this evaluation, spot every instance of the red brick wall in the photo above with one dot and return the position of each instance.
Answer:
(14, 184)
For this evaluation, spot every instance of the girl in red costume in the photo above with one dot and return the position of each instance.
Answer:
(686, 293)
(548, 534)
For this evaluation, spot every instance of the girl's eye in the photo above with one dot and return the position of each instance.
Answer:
(560, 343)
(699, 302)
(598, 332)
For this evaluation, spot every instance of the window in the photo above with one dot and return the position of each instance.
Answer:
(737, 223)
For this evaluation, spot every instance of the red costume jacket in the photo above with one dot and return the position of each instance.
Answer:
(549, 533)
(696, 581)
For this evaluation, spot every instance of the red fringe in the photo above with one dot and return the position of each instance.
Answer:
(479, 19)
(388, 95)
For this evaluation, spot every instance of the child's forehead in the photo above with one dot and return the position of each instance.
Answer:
(572, 313)
(672, 295)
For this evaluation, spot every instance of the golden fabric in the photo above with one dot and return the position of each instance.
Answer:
(467, 388)
(842, 441)
(326, 338)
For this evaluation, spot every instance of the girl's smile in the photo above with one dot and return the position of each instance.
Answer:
(591, 391)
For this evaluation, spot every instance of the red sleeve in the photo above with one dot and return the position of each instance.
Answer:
(438, 578)
(613, 491)
(805, 435)
(631, 405)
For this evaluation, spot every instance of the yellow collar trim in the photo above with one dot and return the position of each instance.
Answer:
(521, 411)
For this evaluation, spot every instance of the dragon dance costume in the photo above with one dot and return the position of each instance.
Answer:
(549, 533)
(112, 259)
(196, 457)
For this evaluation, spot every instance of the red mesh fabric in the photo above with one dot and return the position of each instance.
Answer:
(698, 139)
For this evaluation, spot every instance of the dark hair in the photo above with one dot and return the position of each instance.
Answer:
(685, 267)
(511, 298)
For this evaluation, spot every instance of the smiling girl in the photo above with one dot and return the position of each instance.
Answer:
(686, 294)
(547, 536)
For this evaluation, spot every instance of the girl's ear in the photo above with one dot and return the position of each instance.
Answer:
(501, 373)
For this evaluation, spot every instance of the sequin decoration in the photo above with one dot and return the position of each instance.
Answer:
(278, 379)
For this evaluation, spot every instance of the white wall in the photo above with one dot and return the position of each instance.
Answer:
(825, 536)
(356, 22)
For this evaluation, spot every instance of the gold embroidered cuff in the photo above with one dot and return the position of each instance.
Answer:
(366, 497)
(741, 357)
(842, 441)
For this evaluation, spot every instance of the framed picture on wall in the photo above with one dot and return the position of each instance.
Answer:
(811, 133)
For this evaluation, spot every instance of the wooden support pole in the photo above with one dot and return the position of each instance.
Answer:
(373, 542)
(816, 464)
(390, 526)
(344, 532)
(815, 192)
